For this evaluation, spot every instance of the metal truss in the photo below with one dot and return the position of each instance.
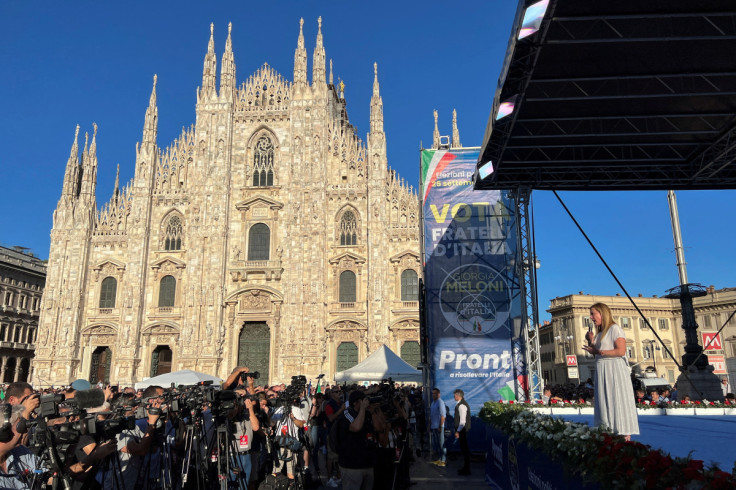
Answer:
(526, 344)
(600, 101)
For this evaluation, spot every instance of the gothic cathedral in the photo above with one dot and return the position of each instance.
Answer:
(268, 235)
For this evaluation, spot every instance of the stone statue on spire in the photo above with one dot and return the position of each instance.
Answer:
(436, 133)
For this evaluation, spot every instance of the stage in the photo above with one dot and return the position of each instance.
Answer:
(709, 437)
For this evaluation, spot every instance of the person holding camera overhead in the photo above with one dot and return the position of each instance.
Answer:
(615, 406)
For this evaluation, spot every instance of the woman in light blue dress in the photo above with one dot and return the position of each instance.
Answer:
(615, 406)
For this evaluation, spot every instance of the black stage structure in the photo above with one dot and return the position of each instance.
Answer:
(611, 95)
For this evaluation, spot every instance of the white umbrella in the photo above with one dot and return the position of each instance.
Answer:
(184, 377)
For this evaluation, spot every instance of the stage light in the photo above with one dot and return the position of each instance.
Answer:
(485, 170)
(533, 18)
(505, 108)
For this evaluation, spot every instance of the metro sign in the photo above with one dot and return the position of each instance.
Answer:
(572, 360)
(715, 341)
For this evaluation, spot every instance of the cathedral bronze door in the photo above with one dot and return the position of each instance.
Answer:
(100, 368)
(161, 360)
(255, 349)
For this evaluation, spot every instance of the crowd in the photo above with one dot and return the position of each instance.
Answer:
(80, 436)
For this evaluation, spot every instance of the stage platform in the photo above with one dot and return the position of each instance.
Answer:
(710, 438)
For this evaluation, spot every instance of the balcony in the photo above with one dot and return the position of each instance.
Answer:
(165, 312)
(243, 269)
(401, 307)
(346, 307)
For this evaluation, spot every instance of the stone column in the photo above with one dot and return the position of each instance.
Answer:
(3, 365)
(17, 368)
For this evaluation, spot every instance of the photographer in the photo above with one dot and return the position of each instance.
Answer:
(143, 465)
(290, 419)
(356, 446)
(17, 463)
(245, 425)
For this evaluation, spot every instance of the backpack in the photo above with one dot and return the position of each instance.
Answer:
(275, 482)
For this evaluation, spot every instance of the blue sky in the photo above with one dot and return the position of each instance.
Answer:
(68, 63)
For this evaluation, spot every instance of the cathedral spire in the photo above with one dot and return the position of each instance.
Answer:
(71, 175)
(318, 59)
(436, 133)
(376, 104)
(331, 79)
(150, 125)
(455, 132)
(89, 166)
(227, 68)
(300, 59)
(209, 72)
(116, 190)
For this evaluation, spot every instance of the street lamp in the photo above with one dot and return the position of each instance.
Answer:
(652, 348)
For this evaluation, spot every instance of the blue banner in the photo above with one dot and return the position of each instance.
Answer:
(472, 307)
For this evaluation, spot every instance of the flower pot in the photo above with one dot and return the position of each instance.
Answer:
(729, 411)
(680, 411)
(651, 411)
(587, 411)
(708, 411)
(564, 410)
(541, 410)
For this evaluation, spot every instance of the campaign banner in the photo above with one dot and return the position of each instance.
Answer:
(472, 305)
(511, 464)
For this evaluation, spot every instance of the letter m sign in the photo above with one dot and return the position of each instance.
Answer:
(712, 338)
(572, 360)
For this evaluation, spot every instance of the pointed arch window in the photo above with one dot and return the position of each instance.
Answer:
(348, 229)
(347, 287)
(263, 162)
(259, 242)
(108, 291)
(409, 285)
(173, 232)
(167, 291)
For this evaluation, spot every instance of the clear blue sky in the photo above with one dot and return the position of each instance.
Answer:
(68, 63)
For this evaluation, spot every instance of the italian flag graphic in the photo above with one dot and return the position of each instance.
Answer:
(433, 163)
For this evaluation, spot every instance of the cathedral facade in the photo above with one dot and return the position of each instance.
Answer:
(268, 235)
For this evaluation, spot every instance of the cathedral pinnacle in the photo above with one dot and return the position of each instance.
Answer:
(318, 59)
(71, 182)
(376, 104)
(150, 125)
(455, 133)
(75, 146)
(89, 166)
(116, 190)
(436, 133)
(300, 59)
(209, 72)
(227, 69)
(331, 79)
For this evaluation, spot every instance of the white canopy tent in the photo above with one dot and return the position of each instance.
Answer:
(382, 364)
(185, 377)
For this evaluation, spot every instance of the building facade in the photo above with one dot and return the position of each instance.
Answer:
(565, 334)
(268, 234)
(22, 278)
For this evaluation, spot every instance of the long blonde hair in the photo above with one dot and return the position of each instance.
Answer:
(606, 317)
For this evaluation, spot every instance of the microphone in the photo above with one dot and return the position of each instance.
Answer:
(89, 398)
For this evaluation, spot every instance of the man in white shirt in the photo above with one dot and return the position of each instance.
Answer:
(462, 426)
